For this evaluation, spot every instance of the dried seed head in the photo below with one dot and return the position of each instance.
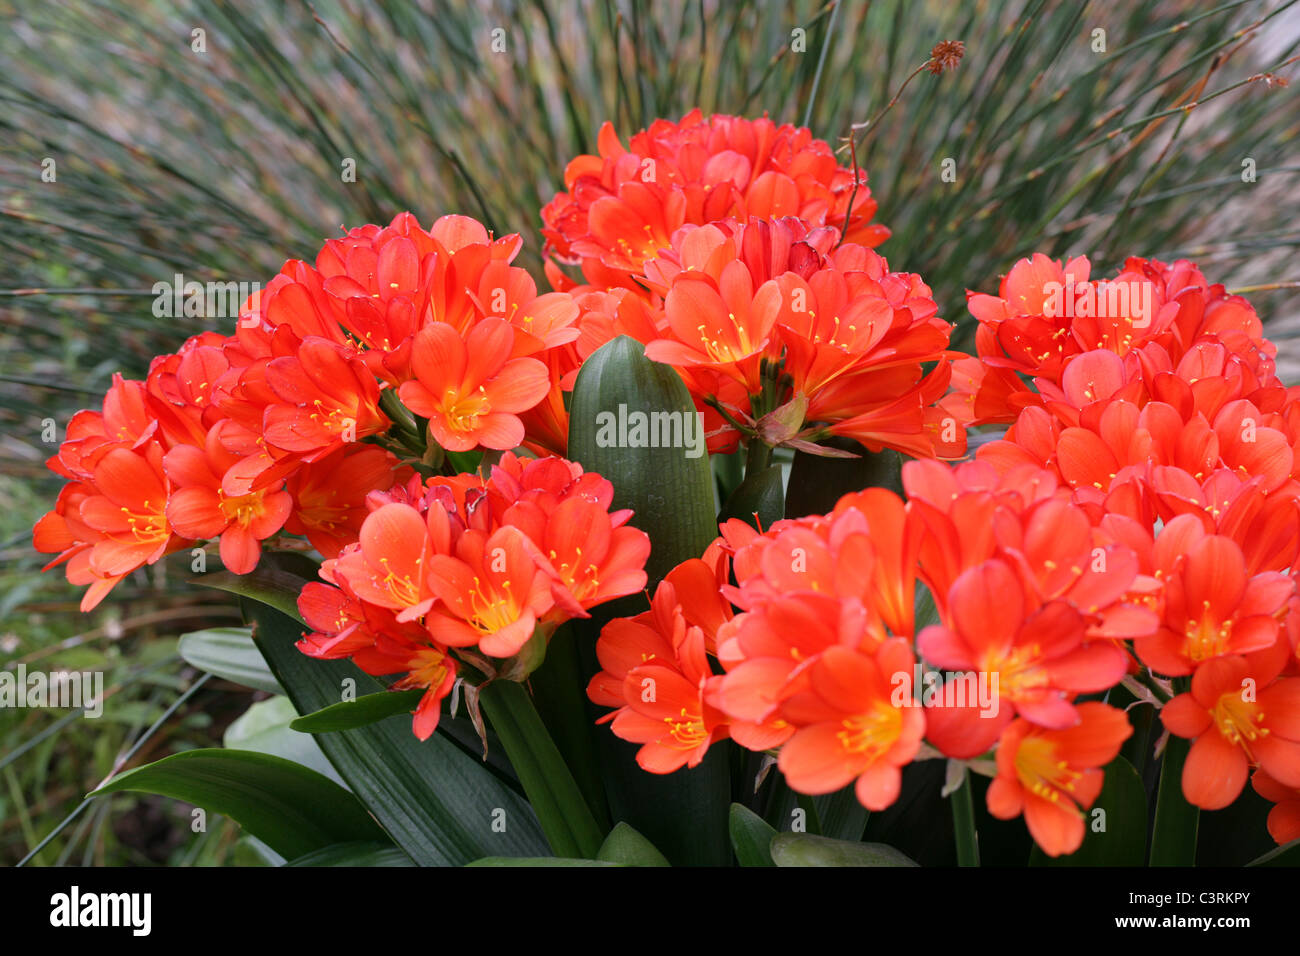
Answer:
(946, 56)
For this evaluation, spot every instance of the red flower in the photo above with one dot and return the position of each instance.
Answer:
(1053, 776)
(199, 508)
(471, 390)
(1238, 717)
(655, 670)
(851, 728)
(622, 206)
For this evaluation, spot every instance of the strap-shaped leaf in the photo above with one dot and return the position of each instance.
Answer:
(438, 803)
(229, 652)
(264, 729)
(684, 814)
(629, 848)
(1286, 855)
(354, 854)
(760, 499)
(804, 849)
(751, 837)
(290, 808)
(348, 714)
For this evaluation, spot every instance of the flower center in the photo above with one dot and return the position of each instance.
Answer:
(462, 413)
(687, 729)
(873, 733)
(1041, 772)
(1238, 721)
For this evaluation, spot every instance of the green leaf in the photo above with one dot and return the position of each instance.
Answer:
(559, 690)
(229, 652)
(627, 847)
(1173, 840)
(840, 815)
(1286, 855)
(751, 837)
(670, 494)
(538, 861)
(555, 797)
(275, 583)
(465, 461)
(816, 483)
(291, 809)
(684, 814)
(804, 849)
(1124, 841)
(760, 499)
(438, 803)
(264, 729)
(348, 714)
(354, 854)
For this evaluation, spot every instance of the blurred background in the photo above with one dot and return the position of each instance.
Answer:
(142, 139)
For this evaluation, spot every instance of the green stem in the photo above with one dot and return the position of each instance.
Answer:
(392, 406)
(559, 693)
(1173, 839)
(758, 456)
(963, 823)
(563, 812)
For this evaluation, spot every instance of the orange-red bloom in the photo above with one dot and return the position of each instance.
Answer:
(1053, 776)
(622, 206)
(655, 671)
(1238, 717)
(472, 391)
(199, 508)
(851, 727)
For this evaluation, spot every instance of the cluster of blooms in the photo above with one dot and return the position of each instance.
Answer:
(1138, 523)
(237, 437)
(784, 336)
(290, 425)
(722, 245)
(821, 659)
(1157, 404)
(621, 207)
(481, 566)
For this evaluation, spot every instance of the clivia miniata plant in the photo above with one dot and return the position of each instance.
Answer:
(628, 571)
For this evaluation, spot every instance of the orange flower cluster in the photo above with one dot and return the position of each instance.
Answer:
(488, 567)
(740, 253)
(621, 207)
(302, 421)
(786, 337)
(1137, 523)
(161, 467)
(240, 437)
(820, 660)
(1157, 405)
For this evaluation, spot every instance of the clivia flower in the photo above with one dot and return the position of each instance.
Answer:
(471, 390)
(1053, 775)
(199, 508)
(1238, 717)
